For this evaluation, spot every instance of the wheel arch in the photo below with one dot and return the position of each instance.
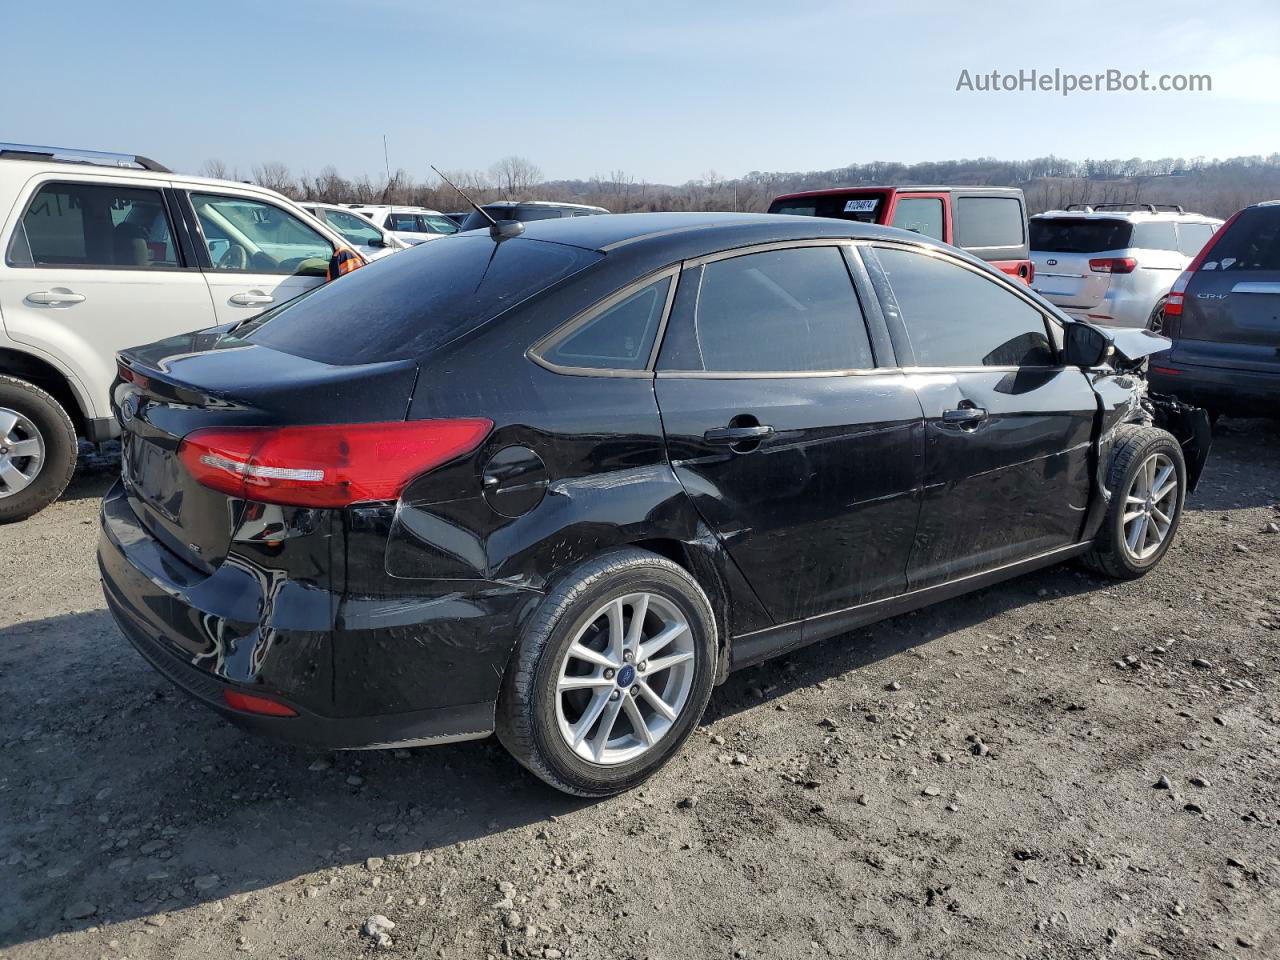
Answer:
(43, 374)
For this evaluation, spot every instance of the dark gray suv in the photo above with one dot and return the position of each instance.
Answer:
(1223, 316)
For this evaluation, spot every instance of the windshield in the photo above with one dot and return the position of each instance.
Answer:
(404, 306)
(1063, 235)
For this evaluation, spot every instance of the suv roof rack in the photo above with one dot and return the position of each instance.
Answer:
(1148, 207)
(1081, 207)
(27, 151)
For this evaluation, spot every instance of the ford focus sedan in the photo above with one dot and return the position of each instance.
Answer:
(556, 480)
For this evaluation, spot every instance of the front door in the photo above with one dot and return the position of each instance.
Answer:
(794, 448)
(92, 266)
(1008, 427)
(260, 255)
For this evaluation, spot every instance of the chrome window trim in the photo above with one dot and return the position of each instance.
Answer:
(583, 317)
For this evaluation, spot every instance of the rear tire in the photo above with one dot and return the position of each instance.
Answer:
(1143, 515)
(37, 449)
(550, 696)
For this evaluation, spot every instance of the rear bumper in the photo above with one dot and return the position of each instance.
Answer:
(1248, 393)
(359, 672)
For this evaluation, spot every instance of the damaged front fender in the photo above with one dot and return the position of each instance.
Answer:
(1190, 426)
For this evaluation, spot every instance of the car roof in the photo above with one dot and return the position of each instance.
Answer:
(542, 203)
(695, 234)
(903, 188)
(1131, 216)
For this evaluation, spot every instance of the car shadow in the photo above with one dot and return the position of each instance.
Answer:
(166, 805)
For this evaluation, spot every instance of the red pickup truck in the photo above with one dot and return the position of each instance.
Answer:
(988, 222)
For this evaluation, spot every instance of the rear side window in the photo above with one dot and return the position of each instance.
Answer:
(863, 206)
(1067, 235)
(922, 215)
(1154, 236)
(988, 222)
(619, 336)
(776, 311)
(404, 306)
(1251, 243)
(90, 225)
(955, 317)
(1192, 237)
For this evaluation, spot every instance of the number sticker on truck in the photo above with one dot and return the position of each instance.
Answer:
(861, 206)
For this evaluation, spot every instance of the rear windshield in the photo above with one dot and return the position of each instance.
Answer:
(404, 306)
(1251, 243)
(863, 206)
(1063, 235)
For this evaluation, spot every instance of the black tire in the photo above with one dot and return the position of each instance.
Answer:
(1134, 445)
(526, 720)
(60, 450)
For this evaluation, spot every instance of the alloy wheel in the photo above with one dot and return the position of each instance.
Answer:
(21, 452)
(1150, 506)
(625, 678)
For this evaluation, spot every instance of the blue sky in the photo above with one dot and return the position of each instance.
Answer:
(666, 91)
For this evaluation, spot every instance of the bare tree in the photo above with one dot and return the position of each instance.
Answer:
(274, 175)
(515, 176)
(218, 170)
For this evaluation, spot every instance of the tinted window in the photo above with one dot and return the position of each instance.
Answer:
(72, 224)
(783, 310)
(1065, 235)
(619, 337)
(1192, 237)
(249, 235)
(1154, 236)
(404, 222)
(862, 206)
(1251, 243)
(988, 222)
(922, 215)
(405, 305)
(437, 223)
(956, 317)
(476, 221)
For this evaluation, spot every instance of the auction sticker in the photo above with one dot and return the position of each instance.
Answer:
(861, 206)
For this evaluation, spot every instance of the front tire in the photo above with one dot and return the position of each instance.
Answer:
(37, 449)
(1147, 480)
(611, 675)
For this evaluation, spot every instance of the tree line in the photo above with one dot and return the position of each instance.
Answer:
(1214, 187)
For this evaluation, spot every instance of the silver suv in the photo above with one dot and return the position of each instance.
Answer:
(1111, 263)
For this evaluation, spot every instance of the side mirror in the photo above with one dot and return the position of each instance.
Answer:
(1086, 346)
(377, 242)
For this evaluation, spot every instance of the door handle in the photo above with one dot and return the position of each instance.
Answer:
(55, 298)
(966, 418)
(727, 436)
(251, 299)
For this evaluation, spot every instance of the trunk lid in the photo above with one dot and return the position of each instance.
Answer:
(170, 388)
(1231, 308)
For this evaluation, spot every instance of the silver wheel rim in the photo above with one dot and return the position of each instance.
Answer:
(625, 678)
(1150, 506)
(21, 452)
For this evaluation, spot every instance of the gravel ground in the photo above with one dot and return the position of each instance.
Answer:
(1060, 766)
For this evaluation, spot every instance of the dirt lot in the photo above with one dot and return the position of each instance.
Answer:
(975, 780)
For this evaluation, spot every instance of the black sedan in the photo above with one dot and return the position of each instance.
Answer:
(556, 482)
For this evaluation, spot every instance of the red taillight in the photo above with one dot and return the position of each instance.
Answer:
(1173, 302)
(325, 466)
(251, 704)
(1167, 371)
(1200, 257)
(132, 377)
(1177, 296)
(1113, 265)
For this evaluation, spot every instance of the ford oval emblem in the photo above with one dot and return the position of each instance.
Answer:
(129, 409)
(1051, 262)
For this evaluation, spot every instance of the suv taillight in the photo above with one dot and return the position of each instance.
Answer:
(325, 466)
(1173, 303)
(1113, 265)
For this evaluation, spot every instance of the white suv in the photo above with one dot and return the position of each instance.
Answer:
(370, 240)
(1110, 263)
(413, 225)
(106, 251)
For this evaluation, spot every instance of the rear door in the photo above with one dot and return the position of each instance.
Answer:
(93, 265)
(795, 448)
(1231, 312)
(1061, 248)
(1008, 427)
(255, 254)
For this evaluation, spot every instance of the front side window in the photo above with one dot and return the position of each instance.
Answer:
(354, 229)
(91, 225)
(618, 337)
(989, 222)
(775, 311)
(249, 235)
(955, 317)
(922, 215)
